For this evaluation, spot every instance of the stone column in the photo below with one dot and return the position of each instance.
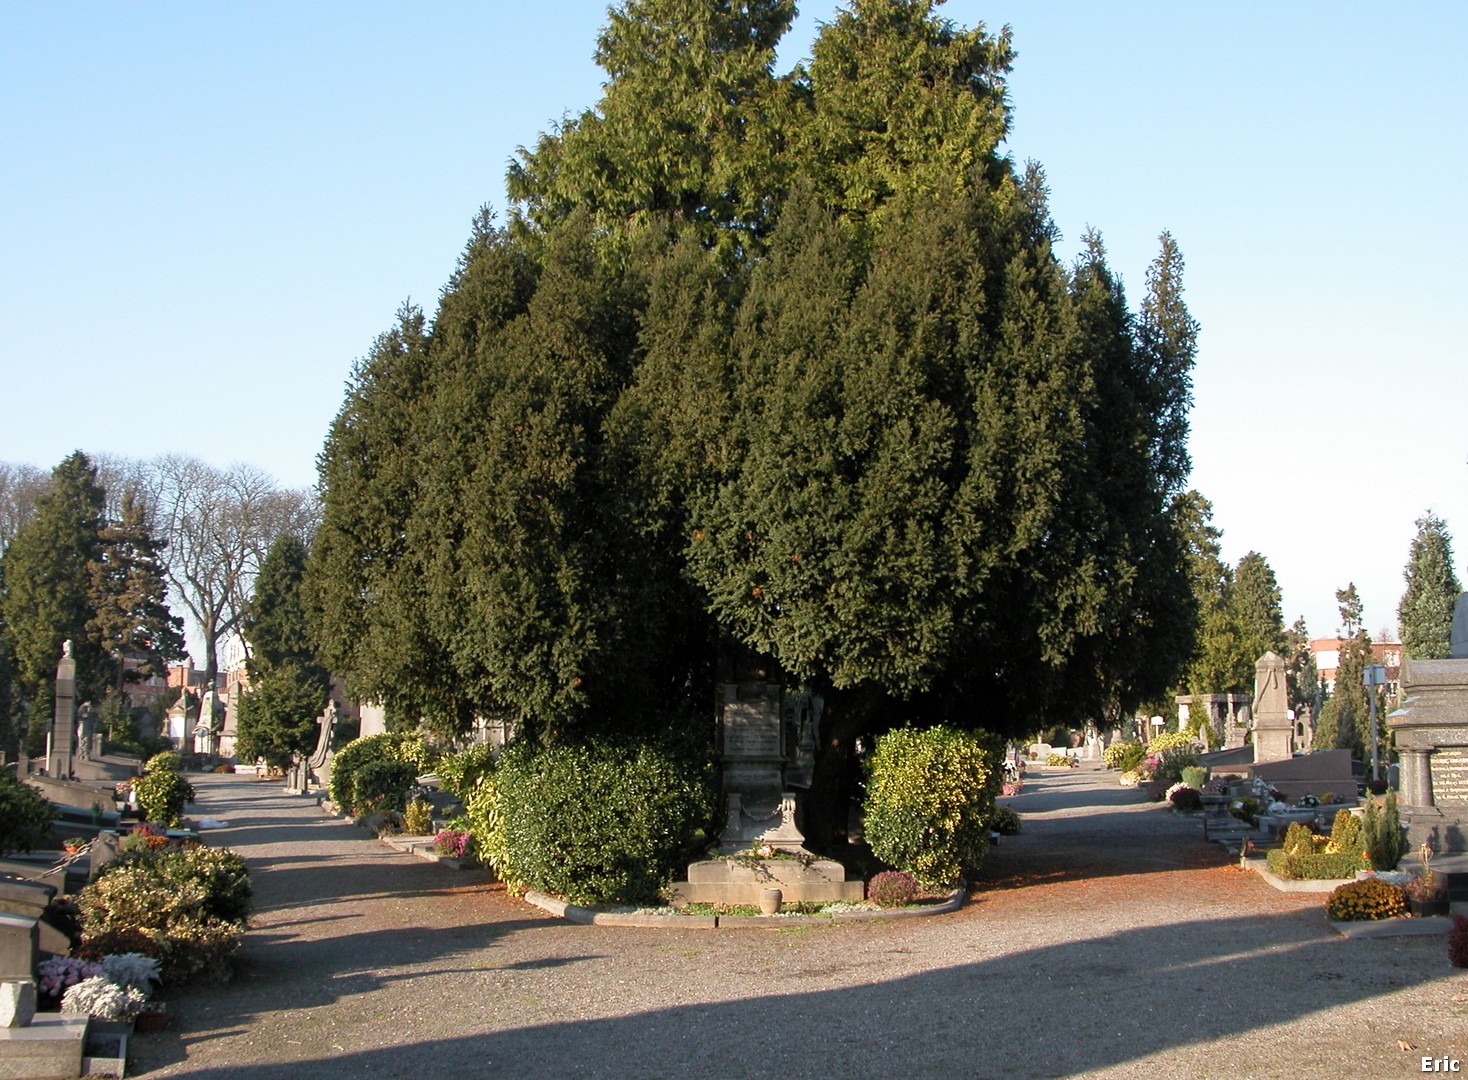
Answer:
(63, 727)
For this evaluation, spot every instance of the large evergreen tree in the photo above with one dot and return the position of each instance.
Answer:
(1425, 614)
(787, 361)
(48, 595)
(288, 685)
(129, 594)
(1254, 600)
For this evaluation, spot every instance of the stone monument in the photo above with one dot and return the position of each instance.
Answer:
(1274, 731)
(757, 746)
(63, 726)
(1430, 732)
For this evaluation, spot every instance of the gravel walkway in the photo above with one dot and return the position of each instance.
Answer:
(1108, 940)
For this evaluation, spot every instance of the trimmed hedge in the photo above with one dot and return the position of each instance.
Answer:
(359, 753)
(594, 822)
(930, 798)
(1340, 864)
(382, 785)
(25, 814)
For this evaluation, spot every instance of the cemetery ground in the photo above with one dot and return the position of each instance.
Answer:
(1108, 939)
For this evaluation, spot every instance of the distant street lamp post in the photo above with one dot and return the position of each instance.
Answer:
(1374, 676)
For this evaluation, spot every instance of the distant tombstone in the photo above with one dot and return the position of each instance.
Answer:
(1274, 731)
(63, 725)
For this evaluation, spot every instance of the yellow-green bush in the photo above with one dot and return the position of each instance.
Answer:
(930, 796)
(1170, 740)
(1369, 898)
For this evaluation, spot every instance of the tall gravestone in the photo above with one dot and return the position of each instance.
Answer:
(63, 725)
(1430, 732)
(758, 808)
(1274, 731)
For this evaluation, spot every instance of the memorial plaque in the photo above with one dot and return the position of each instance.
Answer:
(1450, 775)
(750, 730)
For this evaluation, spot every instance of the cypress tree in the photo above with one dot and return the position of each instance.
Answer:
(1426, 611)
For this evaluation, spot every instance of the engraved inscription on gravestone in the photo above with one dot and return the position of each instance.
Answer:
(1450, 775)
(748, 731)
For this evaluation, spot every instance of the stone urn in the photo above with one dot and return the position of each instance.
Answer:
(770, 901)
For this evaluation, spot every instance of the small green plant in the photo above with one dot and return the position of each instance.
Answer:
(1123, 755)
(103, 999)
(165, 761)
(930, 795)
(1369, 898)
(1195, 776)
(163, 794)
(1381, 832)
(418, 818)
(1004, 821)
(892, 888)
(460, 772)
(1345, 833)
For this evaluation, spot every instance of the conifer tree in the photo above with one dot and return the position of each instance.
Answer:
(288, 686)
(129, 594)
(1426, 611)
(48, 587)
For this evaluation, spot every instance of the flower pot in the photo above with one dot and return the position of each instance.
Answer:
(153, 1017)
(770, 900)
(1423, 908)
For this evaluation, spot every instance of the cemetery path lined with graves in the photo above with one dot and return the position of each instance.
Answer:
(1108, 939)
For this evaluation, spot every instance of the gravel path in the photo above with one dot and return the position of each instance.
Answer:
(1107, 940)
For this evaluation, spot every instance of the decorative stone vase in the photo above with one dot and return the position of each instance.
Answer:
(770, 901)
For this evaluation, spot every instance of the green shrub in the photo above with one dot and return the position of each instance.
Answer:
(1004, 821)
(1298, 839)
(1313, 867)
(1381, 833)
(164, 761)
(186, 907)
(1171, 763)
(25, 814)
(163, 794)
(359, 753)
(487, 824)
(1116, 755)
(1187, 799)
(417, 818)
(1345, 833)
(460, 772)
(382, 785)
(1369, 898)
(1194, 776)
(595, 822)
(930, 795)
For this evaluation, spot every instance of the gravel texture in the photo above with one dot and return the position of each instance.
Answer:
(1107, 940)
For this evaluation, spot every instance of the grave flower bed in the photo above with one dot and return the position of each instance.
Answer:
(1308, 857)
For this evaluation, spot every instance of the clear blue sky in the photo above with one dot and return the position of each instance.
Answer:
(208, 211)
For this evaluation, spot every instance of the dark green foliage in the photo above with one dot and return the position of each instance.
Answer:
(48, 586)
(382, 785)
(1313, 867)
(1254, 601)
(1301, 675)
(1004, 821)
(25, 814)
(129, 594)
(1381, 832)
(461, 772)
(288, 687)
(597, 822)
(357, 755)
(783, 363)
(1187, 800)
(1426, 610)
(1345, 832)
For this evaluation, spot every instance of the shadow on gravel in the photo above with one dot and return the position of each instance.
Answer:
(948, 1022)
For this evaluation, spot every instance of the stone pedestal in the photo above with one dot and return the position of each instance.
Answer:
(1274, 731)
(1430, 732)
(63, 726)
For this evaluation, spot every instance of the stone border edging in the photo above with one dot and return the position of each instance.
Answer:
(1380, 928)
(1294, 885)
(589, 917)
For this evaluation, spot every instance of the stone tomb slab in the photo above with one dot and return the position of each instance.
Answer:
(49, 1049)
(739, 881)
